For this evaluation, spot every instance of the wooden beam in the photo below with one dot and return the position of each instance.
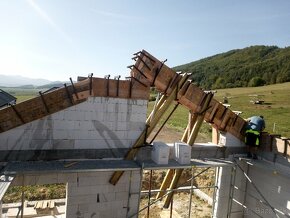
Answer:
(173, 185)
(151, 122)
(189, 137)
(192, 95)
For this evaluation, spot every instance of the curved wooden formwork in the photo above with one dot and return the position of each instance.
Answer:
(151, 71)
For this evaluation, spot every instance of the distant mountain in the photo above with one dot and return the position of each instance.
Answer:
(251, 66)
(14, 81)
(52, 84)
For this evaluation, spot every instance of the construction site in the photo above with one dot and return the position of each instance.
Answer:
(94, 136)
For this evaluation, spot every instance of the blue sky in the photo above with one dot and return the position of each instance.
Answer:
(58, 39)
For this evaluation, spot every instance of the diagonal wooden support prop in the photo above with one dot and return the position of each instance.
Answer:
(155, 116)
(172, 177)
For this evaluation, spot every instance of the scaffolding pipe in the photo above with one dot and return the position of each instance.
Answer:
(149, 194)
(256, 188)
(191, 192)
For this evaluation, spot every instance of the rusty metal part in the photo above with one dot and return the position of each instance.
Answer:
(17, 114)
(68, 94)
(43, 101)
(74, 88)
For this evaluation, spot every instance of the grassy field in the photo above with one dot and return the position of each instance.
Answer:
(276, 107)
(22, 94)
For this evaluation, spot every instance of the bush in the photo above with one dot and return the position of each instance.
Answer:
(256, 81)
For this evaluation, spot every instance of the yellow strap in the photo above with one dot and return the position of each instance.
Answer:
(253, 131)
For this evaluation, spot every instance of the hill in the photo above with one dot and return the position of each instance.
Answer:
(248, 67)
(14, 81)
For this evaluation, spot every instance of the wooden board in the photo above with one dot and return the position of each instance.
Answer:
(190, 95)
(60, 99)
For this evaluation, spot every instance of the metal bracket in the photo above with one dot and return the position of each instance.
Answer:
(130, 67)
(107, 77)
(43, 101)
(157, 72)
(91, 82)
(74, 88)
(68, 94)
(118, 80)
(17, 114)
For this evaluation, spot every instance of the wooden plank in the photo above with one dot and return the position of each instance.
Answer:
(192, 97)
(57, 100)
(151, 123)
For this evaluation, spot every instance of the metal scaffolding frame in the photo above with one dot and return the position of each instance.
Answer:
(181, 188)
(249, 181)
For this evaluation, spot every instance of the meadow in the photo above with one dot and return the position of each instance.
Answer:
(275, 108)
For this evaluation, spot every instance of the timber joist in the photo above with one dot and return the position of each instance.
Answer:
(59, 99)
(150, 70)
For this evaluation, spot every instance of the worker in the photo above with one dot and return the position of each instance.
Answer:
(256, 124)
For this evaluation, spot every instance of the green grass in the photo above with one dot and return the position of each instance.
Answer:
(22, 94)
(34, 192)
(276, 109)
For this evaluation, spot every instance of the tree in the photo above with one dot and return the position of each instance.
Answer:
(256, 81)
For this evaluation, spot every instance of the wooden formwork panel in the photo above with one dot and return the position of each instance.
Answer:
(62, 98)
(279, 145)
(288, 147)
(110, 88)
(266, 142)
(159, 73)
(193, 98)
(189, 95)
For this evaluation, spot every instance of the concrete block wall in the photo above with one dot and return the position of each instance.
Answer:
(98, 123)
(89, 194)
(92, 196)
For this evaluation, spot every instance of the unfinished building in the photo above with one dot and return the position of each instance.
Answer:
(93, 135)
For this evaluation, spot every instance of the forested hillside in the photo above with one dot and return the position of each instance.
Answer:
(251, 66)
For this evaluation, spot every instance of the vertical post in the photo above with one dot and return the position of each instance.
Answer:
(246, 189)
(74, 88)
(171, 207)
(214, 191)
(191, 192)
(215, 135)
(22, 197)
(107, 77)
(129, 193)
(232, 189)
(91, 83)
(0, 208)
(149, 195)
(140, 185)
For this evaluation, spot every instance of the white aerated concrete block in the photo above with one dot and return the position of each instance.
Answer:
(228, 140)
(182, 153)
(160, 153)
